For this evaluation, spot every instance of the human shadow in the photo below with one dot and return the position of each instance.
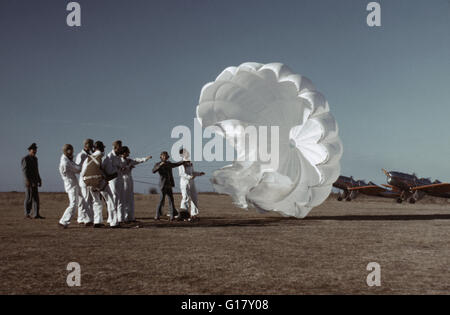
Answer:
(206, 222)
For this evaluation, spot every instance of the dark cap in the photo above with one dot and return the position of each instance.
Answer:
(33, 146)
(98, 145)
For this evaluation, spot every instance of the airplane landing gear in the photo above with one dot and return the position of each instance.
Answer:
(399, 200)
(412, 200)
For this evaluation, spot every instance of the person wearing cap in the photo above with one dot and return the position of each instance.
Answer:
(85, 211)
(68, 170)
(187, 185)
(32, 179)
(166, 183)
(113, 164)
(129, 164)
(94, 195)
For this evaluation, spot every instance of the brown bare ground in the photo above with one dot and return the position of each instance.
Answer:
(231, 251)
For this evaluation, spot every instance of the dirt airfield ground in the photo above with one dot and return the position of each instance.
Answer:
(231, 251)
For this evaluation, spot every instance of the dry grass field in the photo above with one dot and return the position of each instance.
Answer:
(231, 251)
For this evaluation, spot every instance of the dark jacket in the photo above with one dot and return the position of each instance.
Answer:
(165, 173)
(30, 169)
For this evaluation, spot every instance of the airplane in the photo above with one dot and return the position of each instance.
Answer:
(350, 189)
(412, 188)
(343, 183)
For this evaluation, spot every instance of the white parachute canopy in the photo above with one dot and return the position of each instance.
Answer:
(309, 148)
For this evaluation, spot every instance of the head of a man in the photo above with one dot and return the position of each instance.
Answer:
(68, 151)
(164, 156)
(32, 149)
(116, 146)
(125, 152)
(99, 146)
(88, 145)
(184, 154)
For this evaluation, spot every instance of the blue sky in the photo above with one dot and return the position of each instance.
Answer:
(134, 70)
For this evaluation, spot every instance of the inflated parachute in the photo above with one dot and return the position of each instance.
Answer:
(255, 94)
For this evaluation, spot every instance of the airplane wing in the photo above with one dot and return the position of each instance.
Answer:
(441, 188)
(375, 190)
(369, 189)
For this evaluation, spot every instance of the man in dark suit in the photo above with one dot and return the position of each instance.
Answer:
(32, 181)
(166, 182)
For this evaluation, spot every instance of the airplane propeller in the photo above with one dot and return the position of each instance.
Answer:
(386, 172)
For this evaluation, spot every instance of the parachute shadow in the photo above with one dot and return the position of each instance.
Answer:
(406, 217)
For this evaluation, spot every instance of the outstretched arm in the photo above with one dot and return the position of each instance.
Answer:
(173, 165)
(74, 167)
(136, 161)
(198, 174)
(157, 167)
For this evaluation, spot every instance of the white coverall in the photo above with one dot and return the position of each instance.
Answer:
(85, 212)
(113, 164)
(128, 201)
(68, 170)
(94, 198)
(188, 190)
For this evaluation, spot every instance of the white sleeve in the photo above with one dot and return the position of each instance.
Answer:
(62, 168)
(78, 158)
(137, 161)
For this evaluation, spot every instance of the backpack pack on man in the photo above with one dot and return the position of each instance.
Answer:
(93, 176)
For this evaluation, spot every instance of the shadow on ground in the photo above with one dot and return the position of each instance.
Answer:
(406, 217)
(209, 222)
(244, 222)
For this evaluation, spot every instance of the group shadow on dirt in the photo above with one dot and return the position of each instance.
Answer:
(205, 222)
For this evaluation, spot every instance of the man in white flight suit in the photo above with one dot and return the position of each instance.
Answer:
(113, 164)
(68, 170)
(85, 211)
(129, 164)
(94, 195)
(187, 185)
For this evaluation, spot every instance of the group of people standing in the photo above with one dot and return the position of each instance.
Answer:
(109, 179)
(101, 177)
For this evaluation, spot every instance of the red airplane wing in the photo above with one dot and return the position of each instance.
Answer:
(440, 188)
(369, 190)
